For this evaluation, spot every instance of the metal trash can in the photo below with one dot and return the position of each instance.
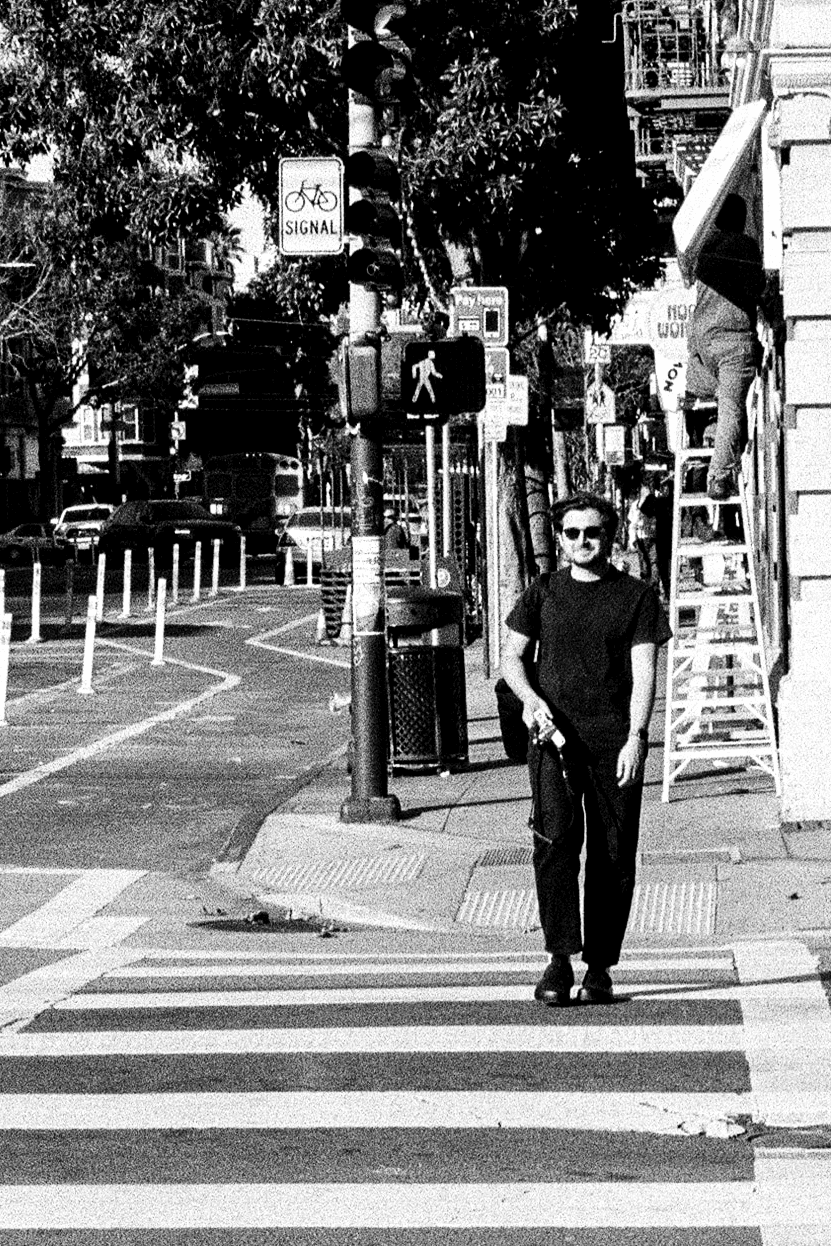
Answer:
(426, 678)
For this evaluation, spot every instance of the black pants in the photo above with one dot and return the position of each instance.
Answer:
(591, 805)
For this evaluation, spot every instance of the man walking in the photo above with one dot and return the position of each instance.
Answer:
(587, 701)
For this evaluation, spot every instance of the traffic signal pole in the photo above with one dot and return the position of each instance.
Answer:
(369, 800)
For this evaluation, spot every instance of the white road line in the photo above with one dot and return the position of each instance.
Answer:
(53, 923)
(535, 959)
(788, 1028)
(275, 969)
(299, 653)
(26, 996)
(100, 1002)
(344, 1205)
(261, 641)
(383, 1039)
(781, 1171)
(657, 1113)
(29, 777)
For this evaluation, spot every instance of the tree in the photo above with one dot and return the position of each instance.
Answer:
(87, 321)
(515, 152)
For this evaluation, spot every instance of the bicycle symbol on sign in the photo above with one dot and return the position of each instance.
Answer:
(313, 194)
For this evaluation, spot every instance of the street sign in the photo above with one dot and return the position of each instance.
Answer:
(311, 206)
(600, 405)
(495, 426)
(614, 444)
(443, 378)
(178, 430)
(497, 367)
(481, 311)
(597, 350)
(181, 477)
(516, 408)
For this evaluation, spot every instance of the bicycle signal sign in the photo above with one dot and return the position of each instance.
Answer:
(311, 206)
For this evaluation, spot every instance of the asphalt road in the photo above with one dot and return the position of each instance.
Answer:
(158, 767)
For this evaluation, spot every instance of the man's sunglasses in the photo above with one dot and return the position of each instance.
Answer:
(592, 533)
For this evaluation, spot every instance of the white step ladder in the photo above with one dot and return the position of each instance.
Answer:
(718, 702)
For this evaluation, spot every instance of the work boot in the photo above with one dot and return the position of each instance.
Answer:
(597, 987)
(554, 987)
(721, 487)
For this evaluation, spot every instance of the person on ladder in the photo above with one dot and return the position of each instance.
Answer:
(723, 347)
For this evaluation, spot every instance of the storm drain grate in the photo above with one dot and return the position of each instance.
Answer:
(509, 906)
(680, 908)
(506, 856)
(353, 872)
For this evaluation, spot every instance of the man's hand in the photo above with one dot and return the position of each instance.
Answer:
(630, 762)
(535, 712)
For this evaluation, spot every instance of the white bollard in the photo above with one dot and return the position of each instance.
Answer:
(158, 647)
(288, 567)
(127, 590)
(34, 639)
(242, 560)
(99, 588)
(151, 576)
(2, 593)
(85, 688)
(197, 571)
(309, 556)
(5, 649)
(174, 575)
(215, 569)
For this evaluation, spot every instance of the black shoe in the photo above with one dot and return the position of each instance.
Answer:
(554, 987)
(596, 988)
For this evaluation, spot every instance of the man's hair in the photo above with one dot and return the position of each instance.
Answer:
(732, 215)
(585, 502)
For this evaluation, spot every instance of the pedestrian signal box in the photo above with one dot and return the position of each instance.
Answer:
(443, 378)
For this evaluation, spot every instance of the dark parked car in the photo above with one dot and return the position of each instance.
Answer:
(29, 541)
(164, 523)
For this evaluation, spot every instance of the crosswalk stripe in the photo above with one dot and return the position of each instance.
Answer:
(628, 956)
(378, 1039)
(498, 1205)
(274, 969)
(120, 1000)
(660, 1112)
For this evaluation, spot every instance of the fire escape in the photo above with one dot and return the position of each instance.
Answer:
(676, 91)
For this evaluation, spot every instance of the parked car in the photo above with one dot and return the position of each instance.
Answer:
(163, 523)
(81, 525)
(302, 530)
(30, 541)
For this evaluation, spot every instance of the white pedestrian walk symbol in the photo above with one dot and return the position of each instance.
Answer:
(425, 370)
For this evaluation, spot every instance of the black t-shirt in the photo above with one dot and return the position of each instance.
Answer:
(586, 630)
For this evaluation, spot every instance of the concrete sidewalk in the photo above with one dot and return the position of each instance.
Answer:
(714, 863)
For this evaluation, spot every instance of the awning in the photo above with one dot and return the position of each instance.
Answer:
(719, 174)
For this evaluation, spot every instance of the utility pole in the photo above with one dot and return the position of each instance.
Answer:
(370, 269)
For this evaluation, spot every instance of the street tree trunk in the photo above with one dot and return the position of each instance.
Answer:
(517, 565)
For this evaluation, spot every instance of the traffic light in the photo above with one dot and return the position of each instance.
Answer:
(378, 65)
(377, 265)
(444, 378)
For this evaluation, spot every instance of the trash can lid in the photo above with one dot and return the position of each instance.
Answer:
(416, 609)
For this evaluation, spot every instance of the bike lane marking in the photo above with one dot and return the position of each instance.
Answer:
(68, 919)
(83, 753)
(260, 641)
